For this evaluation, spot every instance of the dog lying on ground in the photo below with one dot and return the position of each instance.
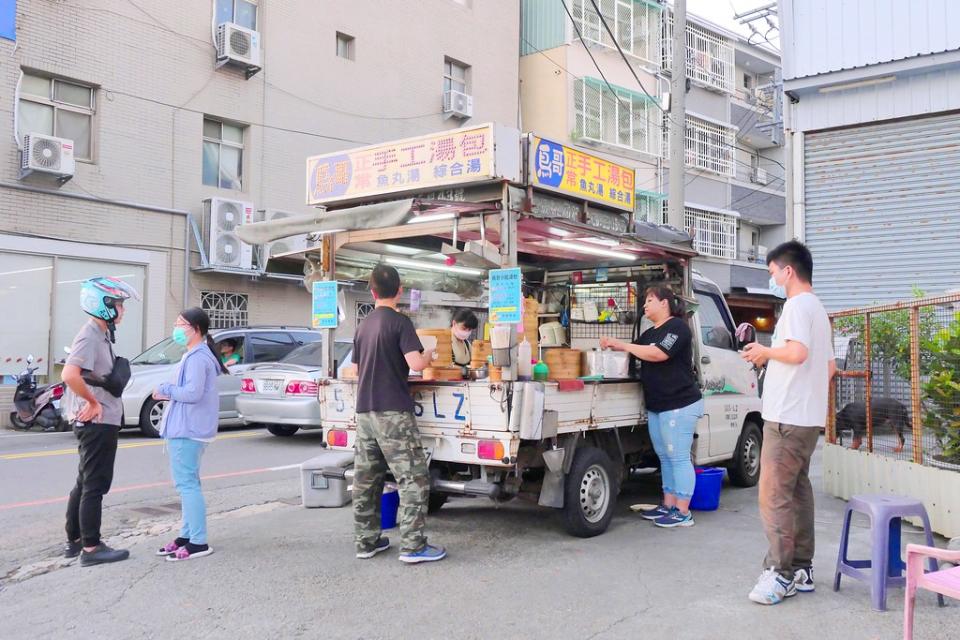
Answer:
(887, 413)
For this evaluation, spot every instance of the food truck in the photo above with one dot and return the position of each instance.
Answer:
(545, 234)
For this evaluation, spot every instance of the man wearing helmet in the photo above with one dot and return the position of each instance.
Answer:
(96, 414)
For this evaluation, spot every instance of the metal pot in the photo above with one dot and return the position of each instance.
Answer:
(616, 364)
(592, 363)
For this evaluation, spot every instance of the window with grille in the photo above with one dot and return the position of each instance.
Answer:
(363, 310)
(226, 310)
(709, 146)
(621, 117)
(635, 22)
(649, 207)
(714, 233)
(710, 56)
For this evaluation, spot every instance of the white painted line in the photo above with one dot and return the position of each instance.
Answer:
(285, 467)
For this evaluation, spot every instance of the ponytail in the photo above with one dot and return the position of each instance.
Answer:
(677, 306)
(200, 321)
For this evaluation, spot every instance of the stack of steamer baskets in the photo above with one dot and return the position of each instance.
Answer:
(479, 350)
(564, 364)
(443, 367)
(531, 324)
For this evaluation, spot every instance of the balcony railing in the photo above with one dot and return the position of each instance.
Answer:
(710, 56)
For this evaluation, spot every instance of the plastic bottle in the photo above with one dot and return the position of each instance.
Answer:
(541, 371)
(523, 360)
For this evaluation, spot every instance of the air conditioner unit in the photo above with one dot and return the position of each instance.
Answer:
(47, 156)
(222, 244)
(289, 245)
(759, 176)
(239, 45)
(457, 104)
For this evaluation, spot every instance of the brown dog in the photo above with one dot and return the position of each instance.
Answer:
(887, 413)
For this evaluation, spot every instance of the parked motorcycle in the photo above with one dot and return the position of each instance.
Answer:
(37, 405)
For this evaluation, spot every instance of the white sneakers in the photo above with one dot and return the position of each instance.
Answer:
(772, 588)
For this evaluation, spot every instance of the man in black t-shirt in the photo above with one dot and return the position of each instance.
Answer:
(385, 348)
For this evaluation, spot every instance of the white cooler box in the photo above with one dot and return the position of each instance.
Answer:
(324, 479)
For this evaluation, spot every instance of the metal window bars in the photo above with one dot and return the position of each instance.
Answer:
(714, 234)
(707, 145)
(710, 56)
(225, 309)
(620, 118)
(636, 24)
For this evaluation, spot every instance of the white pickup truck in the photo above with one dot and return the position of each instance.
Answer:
(571, 449)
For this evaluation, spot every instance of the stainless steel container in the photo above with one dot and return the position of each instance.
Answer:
(616, 364)
(592, 363)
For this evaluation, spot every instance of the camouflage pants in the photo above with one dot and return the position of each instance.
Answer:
(390, 440)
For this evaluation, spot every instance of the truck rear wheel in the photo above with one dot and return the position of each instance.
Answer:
(745, 467)
(590, 493)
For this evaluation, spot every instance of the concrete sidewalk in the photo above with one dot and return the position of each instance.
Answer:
(281, 571)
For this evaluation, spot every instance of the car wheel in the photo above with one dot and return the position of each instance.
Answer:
(745, 467)
(590, 494)
(150, 417)
(282, 430)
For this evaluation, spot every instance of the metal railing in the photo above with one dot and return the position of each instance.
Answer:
(898, 388)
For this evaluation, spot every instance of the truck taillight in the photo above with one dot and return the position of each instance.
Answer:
(337, 438)
(302, 388)
(490, 450)
(247, 386)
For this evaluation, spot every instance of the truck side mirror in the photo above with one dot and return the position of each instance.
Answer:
(746, 333)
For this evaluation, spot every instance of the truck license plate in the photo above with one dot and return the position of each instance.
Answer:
(441, 404)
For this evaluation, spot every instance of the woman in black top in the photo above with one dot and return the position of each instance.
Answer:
(673, 399)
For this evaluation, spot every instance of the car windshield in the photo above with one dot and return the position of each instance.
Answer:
(164, 352)
(311, 355)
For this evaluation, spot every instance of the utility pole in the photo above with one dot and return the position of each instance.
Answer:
(678, 116)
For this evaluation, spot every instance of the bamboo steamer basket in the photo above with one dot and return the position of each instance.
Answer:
(444, 344)
(479, 350)
(564, 364)
(495, 374)
(443, 373)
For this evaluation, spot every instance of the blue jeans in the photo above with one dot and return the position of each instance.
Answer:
(672, 435)
(185, 467)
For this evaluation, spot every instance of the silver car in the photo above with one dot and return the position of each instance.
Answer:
(283, 395)
(159, 363)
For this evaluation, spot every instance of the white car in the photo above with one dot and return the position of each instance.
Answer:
(158, 364)
(284, 395)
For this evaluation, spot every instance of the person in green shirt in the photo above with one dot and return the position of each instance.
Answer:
(228, 352)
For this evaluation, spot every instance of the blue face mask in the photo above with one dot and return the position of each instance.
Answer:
(777, 289)
(179, 336)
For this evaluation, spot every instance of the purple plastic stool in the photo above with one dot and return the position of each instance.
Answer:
(886, 563)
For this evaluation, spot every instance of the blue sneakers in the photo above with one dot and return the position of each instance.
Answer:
(429, 553)
(656, 513)
(675, 519)
(382, 545)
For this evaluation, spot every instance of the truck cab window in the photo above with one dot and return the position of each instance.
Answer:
(716, 329)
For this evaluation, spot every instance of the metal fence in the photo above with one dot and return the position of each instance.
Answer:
(897, 392)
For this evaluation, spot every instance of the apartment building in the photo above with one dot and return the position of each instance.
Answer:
(873, 92)
(187, 117)
(578, 89)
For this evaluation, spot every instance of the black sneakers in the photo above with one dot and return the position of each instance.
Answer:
(102, 554)
(72, 549)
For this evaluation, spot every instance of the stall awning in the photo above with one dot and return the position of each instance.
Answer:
(367, 216)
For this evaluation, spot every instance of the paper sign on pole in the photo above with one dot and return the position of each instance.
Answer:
(324, 305)
(506, 298)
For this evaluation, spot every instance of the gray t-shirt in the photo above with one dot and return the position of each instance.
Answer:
(91, 351)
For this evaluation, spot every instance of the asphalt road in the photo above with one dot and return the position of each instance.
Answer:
(281, 571)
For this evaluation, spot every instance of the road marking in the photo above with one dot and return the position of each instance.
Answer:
(129, 445)
(149, 485)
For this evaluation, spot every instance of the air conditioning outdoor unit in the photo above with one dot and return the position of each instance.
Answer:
(289, 245)
(224, 248)
(47, 156)
(759, 176)
(238, 45)
(457, 104)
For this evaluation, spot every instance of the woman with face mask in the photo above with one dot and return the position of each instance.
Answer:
(673, 399)
(189, 424)
(463, 324)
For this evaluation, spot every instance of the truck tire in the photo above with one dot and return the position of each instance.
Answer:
(150, 417)
(282, 430)
(436, 501)
(744, 468)
(590, 493)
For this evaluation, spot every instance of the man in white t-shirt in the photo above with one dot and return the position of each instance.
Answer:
(799, 367)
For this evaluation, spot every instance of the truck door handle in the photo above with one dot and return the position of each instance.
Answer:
(705, 360)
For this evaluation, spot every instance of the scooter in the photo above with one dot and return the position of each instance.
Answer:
(37, 405)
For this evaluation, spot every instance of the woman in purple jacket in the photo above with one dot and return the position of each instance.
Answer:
(189, 424)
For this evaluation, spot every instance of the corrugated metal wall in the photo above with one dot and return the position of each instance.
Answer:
(882, 208)
(543, 25)
(820, 36)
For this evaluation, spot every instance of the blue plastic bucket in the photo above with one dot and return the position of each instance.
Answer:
(389, 504)
(706, 493)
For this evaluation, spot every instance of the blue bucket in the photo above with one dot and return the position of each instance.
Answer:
(389, 504)
(706, 493)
